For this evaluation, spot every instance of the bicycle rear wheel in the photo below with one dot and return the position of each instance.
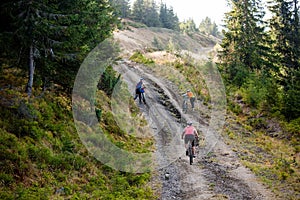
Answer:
(191, 156)
(191, 159)
(184, 107)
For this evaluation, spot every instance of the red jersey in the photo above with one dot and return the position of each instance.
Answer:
(189, 130)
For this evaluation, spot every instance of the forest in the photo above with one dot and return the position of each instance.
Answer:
(42, 45)
(153, 15)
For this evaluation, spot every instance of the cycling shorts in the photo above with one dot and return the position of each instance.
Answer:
(191, 138)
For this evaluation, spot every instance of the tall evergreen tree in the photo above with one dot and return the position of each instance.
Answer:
(244, 47)
(122, 7)
(285, 28)
(208, 27)
(168, 18)
(285, 33)
(188, 27)
(138, 10)
(151, 18)
(163, 15)
(51, 38)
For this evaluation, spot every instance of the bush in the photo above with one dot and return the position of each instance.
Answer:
(108, 80)
(140, 58)
(6, 179)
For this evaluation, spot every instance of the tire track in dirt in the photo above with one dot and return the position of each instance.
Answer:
(214, 175)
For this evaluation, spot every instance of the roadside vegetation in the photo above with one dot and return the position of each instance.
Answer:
(260, 67)
(42, 155)
(266, 142)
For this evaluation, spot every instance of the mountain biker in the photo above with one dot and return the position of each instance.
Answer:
(189, 134)
(142, 93)
(138, 91)
(192, 98)
(184, 103)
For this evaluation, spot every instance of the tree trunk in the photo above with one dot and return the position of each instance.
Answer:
(31, 72)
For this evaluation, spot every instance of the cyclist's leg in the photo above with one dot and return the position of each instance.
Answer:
(192, 100)
(187, 141)
(136, 94)
(193, 145)
(140, 97)
(143, 97)
(184, 105)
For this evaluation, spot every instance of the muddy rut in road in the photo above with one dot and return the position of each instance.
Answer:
(216, 172)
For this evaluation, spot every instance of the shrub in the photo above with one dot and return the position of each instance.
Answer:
(140, 58)
(108, 80)
(6, 179)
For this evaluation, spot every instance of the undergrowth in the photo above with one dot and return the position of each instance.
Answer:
(140, 58)
(267, 146)
(42, 156)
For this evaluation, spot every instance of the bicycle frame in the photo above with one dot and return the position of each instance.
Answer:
(184, 106)
(190, 152)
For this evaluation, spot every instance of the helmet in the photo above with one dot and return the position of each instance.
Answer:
(141, 79)
(188, 90)
(189, 123)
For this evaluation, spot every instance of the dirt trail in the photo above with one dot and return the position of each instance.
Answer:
(216, 174)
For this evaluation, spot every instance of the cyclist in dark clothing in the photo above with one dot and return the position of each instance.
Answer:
(139, 90)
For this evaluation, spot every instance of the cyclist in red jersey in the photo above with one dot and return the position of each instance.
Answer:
(189, 134)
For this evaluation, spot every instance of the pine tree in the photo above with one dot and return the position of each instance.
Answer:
(188, 27)
(151, 18)
(51, 38)
(163, 15)
(244, 49)
(285, 28)
(138, 11)
(208, 27)
(167, 18)
(285, 32)
(122, 7)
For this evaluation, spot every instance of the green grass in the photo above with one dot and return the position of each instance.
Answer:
(42, 156)
(273, 159)
(140, 58)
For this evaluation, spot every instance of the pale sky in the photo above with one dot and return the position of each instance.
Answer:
(199, 9)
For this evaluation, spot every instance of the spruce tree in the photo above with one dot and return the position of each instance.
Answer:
(168, 18)
(285, 29)
(244, 48)
(151, 18)
(122, 7)
(49, 39)
(138, 11)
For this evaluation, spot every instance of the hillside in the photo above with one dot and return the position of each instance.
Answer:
(135, 36)
(262, 142)
(43, 155)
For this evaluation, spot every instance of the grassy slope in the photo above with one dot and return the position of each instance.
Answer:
(42, 156)
(268, 146)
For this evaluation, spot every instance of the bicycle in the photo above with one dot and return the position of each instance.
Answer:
(184, 106)
(190, 152)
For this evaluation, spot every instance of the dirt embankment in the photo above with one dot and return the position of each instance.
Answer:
(143, 39)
